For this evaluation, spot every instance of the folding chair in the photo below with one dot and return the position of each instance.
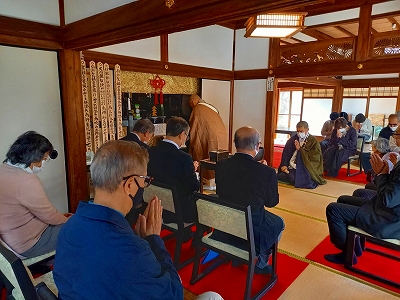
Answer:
(352, 232)
(234, 220)
(360, 148)
(19, 277)
(170, 202)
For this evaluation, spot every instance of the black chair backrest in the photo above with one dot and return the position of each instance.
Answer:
(16, 274)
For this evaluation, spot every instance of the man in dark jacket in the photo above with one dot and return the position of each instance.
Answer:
(244, 181)
(142, 132)
(170, 165)
(379, 216)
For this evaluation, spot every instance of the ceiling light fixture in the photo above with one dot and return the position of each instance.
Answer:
(275, 25)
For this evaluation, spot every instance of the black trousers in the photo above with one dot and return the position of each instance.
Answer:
(340, 215)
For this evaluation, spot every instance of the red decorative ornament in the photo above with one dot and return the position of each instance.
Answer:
(158, 83)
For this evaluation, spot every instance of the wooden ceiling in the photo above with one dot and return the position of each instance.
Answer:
(348, 28)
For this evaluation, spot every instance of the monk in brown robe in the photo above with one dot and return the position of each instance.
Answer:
(207, 130)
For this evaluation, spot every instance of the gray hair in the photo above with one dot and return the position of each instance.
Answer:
(382, 145)
(115, 160)
(144, 125)
(247, 142)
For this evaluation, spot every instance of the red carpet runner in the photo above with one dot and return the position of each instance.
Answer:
(376, 264)
(230, 281)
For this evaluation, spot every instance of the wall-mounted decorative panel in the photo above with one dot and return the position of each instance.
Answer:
(385, 44)
(317, 52)
(136, 82)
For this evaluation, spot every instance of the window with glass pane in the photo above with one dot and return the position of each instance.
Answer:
(289, 109)
(354, 106)
(315, 112)
(378, 112)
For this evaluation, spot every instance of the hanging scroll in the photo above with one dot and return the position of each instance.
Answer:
(103, 104)
(95, 105)
(109, 102)
(86, 107)
(118, 97)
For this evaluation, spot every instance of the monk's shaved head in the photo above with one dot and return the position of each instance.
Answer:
(194, 100)
(246, 138)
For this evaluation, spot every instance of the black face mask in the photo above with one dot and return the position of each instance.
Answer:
(135, 202)
(137, 198)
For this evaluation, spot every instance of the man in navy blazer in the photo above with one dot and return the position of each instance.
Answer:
(142, 132)
(379, 216)
(244, 181)
(170, 165)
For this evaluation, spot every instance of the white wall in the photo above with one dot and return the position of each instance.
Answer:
(147, 48)
(30, 100)
(42, 11)
(78, 9)
(217, 93)
(250, 53)
(249, 105)
(210, 46)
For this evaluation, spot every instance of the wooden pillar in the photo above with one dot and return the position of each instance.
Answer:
(74, 128)
(364, 33)
(230, 129)
(271, 106)
(337, 98)
(232, 96)
(164, 47)
(270, 124)
(398, 102)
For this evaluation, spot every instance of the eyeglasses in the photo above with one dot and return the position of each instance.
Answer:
(392, 125)
(147, 180)
(187, 136)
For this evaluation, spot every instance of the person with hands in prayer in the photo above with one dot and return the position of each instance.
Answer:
(109, 260)
(343, 145)
(301, 163)
(379, 216)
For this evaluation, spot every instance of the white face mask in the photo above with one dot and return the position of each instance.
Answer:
(301, 135)
(36, 169)
(393, 128)
(342, 130)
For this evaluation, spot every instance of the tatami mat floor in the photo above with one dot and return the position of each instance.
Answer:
(305, 227)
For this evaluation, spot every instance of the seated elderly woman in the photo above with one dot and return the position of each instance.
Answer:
(380, 147)
(301, 163)
(343, 145)
(29, 223)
